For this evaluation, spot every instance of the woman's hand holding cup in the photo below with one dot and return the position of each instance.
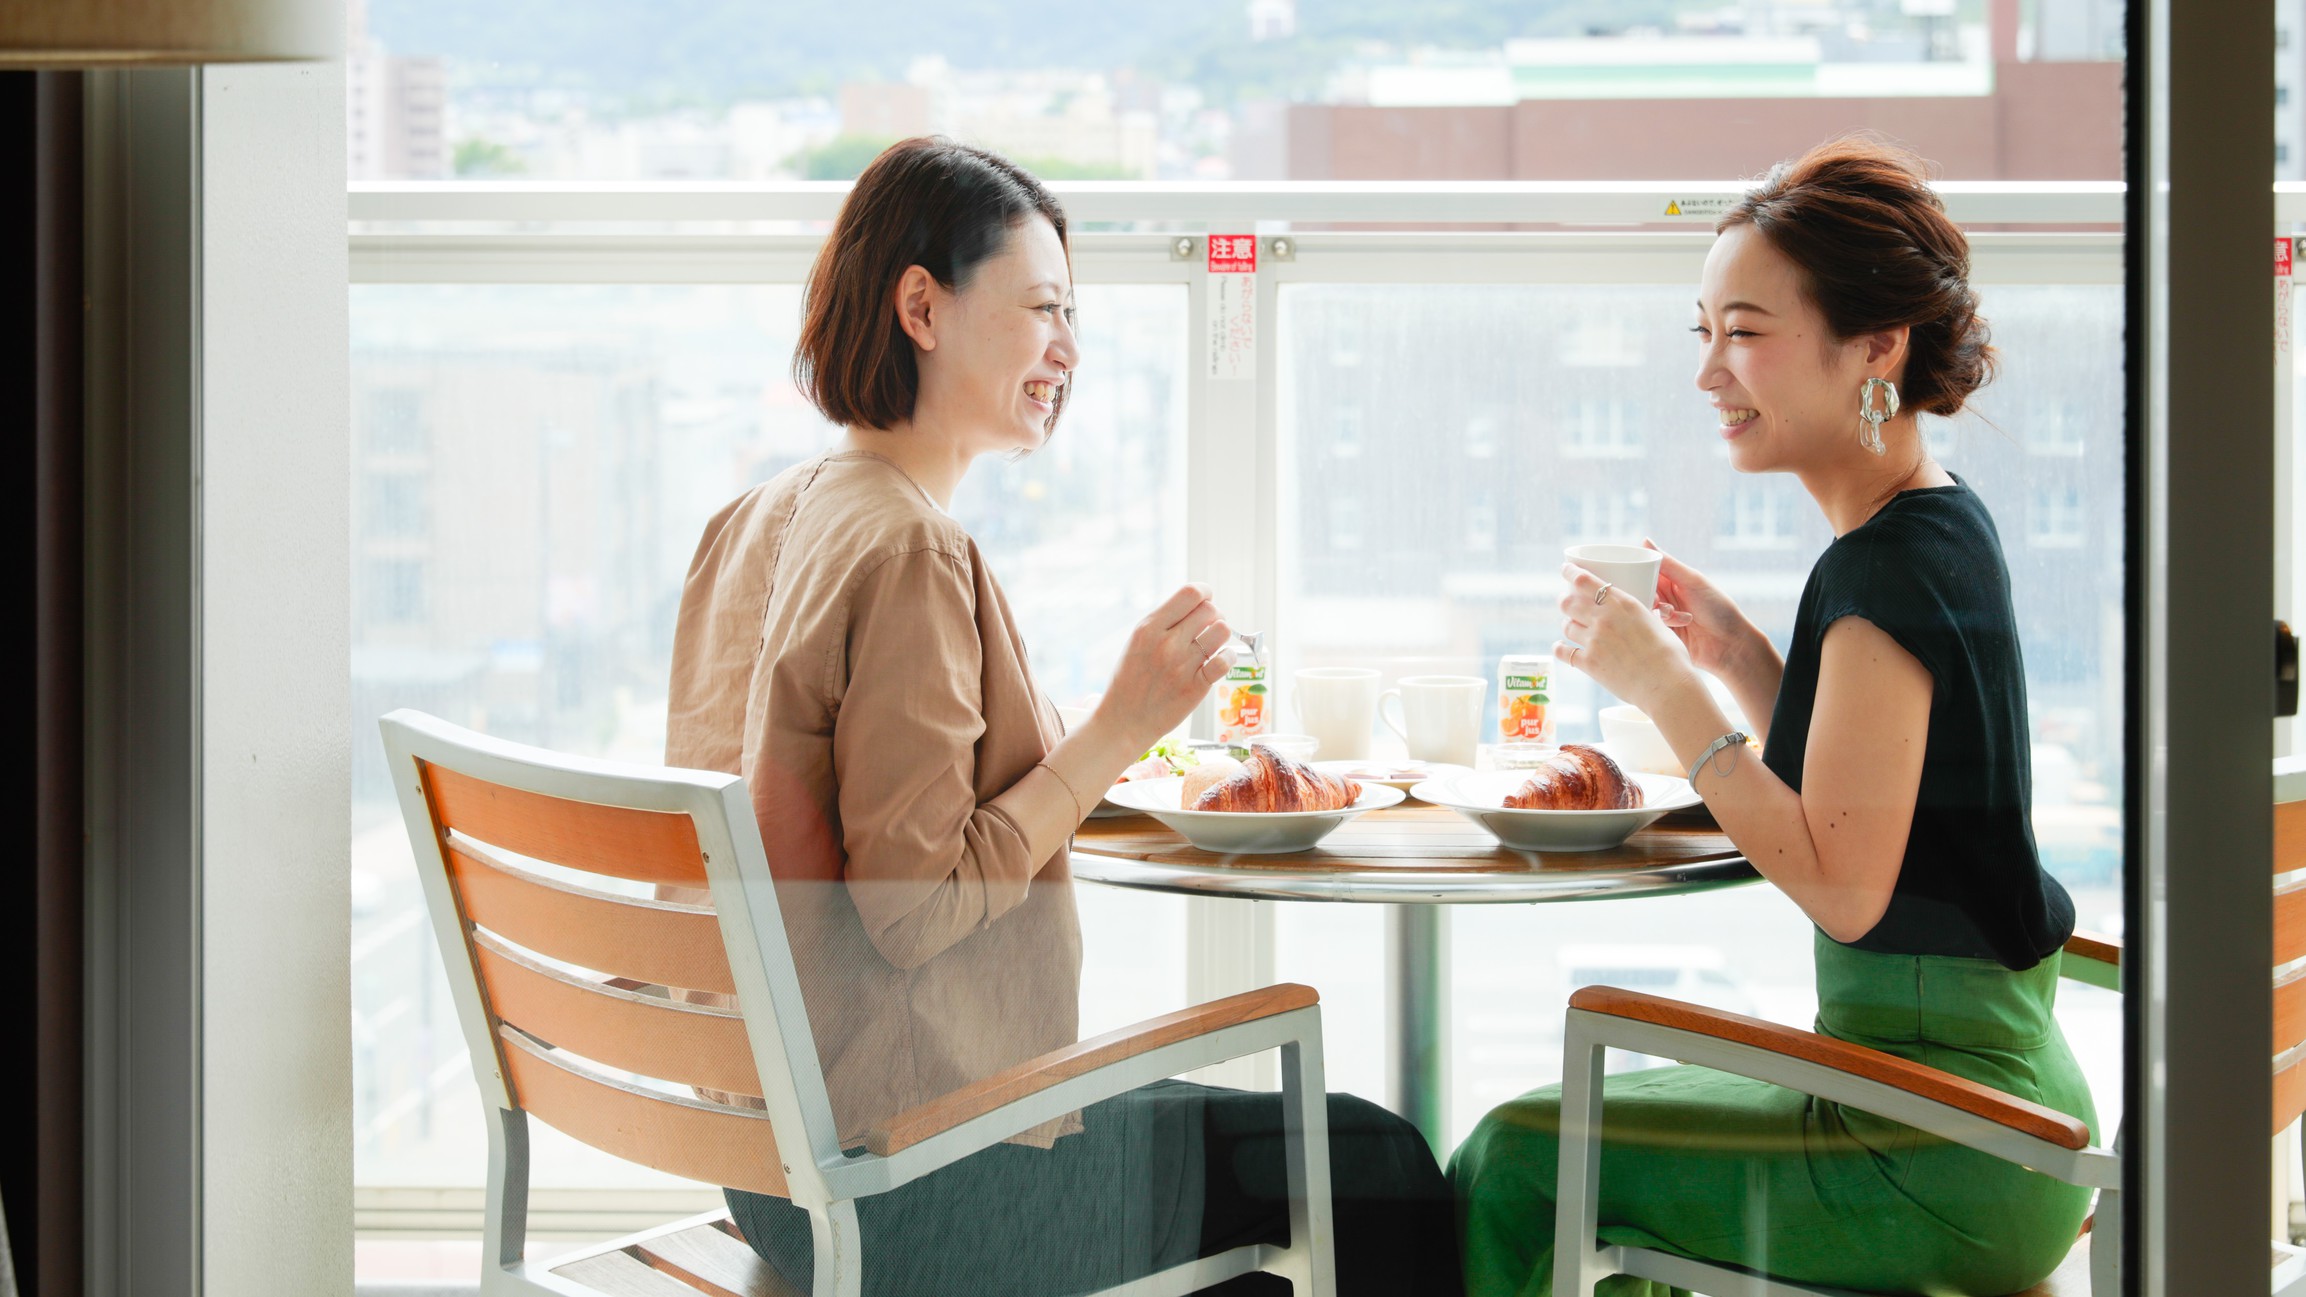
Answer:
(1707, 621)
(1611, 634)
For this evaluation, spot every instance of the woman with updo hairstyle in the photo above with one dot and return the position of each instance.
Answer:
(844, 646)
(1889, 801)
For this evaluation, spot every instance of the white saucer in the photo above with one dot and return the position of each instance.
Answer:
(1403, 775)
(1480, 797)
(1243, 832)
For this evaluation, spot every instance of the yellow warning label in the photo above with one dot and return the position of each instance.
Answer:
(1673, 209)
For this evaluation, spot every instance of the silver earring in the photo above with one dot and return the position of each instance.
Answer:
(1871, 416)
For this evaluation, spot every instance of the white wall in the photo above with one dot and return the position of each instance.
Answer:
(275, 463)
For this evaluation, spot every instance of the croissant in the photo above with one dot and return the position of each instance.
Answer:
(1269, 781)
(1577, 778)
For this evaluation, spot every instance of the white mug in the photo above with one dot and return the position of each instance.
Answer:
(1441, 716)
(1631, 568)
(1337, 705)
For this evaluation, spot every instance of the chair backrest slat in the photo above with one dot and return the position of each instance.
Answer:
(2290, 1013)
(2289, 1095)
(658, 942)
(617, 841)
(687, 1138)
(2289, 836)
(686, 1043)
(2289, 924)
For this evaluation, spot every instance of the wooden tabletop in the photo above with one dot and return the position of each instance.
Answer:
(1415, 837)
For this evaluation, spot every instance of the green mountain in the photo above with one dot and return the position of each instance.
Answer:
(672, 53)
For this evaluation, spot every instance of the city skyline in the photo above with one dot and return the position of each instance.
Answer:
(1280, 100)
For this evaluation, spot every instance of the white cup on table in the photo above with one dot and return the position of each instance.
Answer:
(1337, 705)
(1631, 568)
(1440, 716)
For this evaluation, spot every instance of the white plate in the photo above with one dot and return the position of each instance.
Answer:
(1403, 775)
(1243, 832)
(1480, 797)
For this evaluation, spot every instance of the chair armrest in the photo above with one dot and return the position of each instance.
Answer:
(2094, 959)
(2020, 1115)
(1036, 1074)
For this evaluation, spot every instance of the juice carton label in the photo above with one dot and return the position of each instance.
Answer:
(1241, 704)
(1244, 698)
(1522, 701)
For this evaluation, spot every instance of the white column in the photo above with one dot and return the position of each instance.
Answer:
(1229, 494)
(274, 626)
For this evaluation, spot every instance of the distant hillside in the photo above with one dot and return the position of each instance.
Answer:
(672, 52)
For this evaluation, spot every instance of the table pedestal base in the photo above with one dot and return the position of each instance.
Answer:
(1417, 1017)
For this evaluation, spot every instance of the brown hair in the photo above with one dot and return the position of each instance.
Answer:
(1877, 250)
(926, 202)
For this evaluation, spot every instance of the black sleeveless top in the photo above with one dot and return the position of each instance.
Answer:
(1927, 570)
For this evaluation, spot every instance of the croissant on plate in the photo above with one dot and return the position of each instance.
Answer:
(1269, 781)
(1577, 778)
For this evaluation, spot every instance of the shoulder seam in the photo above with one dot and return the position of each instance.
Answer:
(834, 649)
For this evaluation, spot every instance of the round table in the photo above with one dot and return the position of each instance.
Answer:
(1416, 858)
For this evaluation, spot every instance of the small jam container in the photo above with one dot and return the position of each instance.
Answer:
(1296, 747)
(1521, 754)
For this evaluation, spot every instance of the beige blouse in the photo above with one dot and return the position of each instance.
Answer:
(844, 647)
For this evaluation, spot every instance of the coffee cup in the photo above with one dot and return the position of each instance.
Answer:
(1440, 716)
(1631, 568)
(1338, 706)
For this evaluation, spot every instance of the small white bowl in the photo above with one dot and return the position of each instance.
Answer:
(1243, 832)
(1633, 738)
(1480, 797)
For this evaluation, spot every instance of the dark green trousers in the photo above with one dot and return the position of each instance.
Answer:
(1722, 1168)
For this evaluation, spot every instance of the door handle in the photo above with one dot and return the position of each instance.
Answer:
(2285, 669)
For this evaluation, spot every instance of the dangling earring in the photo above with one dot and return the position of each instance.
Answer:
(1871, 416)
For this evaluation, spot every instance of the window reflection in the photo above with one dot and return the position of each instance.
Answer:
(1459, 565)
(533, 468)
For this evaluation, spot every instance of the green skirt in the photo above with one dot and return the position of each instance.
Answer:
(1722, 1168)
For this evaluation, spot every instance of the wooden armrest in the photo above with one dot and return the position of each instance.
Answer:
(2095, 946)
(1037, 1074)
(2020, 1115)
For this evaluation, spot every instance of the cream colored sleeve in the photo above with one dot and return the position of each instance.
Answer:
(927, 865)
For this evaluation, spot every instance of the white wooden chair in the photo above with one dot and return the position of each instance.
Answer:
(1942, 1104)
(608, 1056)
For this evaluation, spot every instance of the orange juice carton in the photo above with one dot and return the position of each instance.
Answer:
(1245, 696)
(1525, 697)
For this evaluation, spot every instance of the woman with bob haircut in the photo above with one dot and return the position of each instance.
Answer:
(1890, 801)
(843, 645)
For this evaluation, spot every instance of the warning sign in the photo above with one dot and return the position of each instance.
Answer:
(1706, 207)
(1232, 254)
(1232, 324)
(2282, 282)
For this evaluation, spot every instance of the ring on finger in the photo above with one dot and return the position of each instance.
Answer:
(1603, 593)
